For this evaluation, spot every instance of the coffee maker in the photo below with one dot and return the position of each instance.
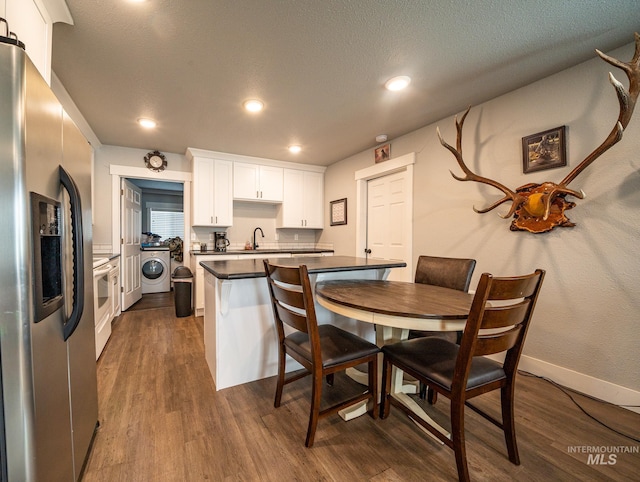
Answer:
(221, 241)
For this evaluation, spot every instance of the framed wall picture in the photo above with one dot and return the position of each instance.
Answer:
(544, 150)
(338, 212)
(382, 153)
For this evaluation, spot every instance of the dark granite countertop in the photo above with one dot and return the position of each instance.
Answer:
(261, 251)
(254, 268)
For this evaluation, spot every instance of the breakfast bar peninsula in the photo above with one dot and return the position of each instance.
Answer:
(241, 344)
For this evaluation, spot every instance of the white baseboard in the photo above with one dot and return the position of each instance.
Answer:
(607, 391)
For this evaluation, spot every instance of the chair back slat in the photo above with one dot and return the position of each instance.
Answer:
(512, 288)
(284, 274)
(489, 344)
(503, 316)
(291, 318)
(288, 295)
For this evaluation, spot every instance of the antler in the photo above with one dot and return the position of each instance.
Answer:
(510, 195)
(627, 100)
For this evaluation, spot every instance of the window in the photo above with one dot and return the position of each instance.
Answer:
(167, 224)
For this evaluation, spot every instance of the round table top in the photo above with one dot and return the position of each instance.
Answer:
(398, 298)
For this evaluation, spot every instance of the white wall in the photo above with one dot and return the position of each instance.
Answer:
(586, 324)
(121, 156)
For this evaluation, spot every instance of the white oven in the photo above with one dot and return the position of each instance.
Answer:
(103, 290)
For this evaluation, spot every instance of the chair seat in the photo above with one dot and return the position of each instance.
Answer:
(435, 358)
(337, 345)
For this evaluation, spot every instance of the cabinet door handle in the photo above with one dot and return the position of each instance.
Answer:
(257, 194)
(211, 219)
(216, 219)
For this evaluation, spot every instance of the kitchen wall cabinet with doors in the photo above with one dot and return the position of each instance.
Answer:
(303, 200)
(32, 21)
(257, 182)
(212, 199)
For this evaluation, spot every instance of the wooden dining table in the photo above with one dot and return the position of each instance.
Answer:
(396, 307)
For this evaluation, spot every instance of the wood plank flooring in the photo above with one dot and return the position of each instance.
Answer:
(150, 301)
(162, 420)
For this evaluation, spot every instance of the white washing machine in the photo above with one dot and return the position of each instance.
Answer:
(156, 271)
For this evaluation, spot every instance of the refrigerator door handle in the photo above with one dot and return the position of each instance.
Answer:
(78, 253)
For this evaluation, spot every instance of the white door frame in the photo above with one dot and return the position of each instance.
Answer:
(118, 172)
(402, 163)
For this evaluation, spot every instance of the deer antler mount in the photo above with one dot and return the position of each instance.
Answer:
(539, 208)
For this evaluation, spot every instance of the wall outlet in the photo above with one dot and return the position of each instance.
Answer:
(193, 236)
(295, 237)
(277, 237)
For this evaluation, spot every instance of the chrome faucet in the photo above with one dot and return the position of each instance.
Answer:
(255, 245)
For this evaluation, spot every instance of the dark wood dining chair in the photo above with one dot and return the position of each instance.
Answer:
(322, 350)
(454, 273)
(498, 322)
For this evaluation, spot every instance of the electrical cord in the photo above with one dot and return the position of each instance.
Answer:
(566, 392)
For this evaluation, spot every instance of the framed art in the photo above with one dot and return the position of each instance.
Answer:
(382, 153)
(544, 150)
(338, 212)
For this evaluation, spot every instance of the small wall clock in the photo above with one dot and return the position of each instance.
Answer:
(155, 161)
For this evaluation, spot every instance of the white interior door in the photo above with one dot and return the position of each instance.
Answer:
(389, 221)
(131, 230)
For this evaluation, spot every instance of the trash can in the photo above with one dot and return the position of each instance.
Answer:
(182, 282)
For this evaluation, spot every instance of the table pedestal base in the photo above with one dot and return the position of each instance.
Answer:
(400, 390)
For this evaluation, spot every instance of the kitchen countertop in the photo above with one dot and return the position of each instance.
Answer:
(254, 268)
(108, 256)
(261, 251)
(100, 259)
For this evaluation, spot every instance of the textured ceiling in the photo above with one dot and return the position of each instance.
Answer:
(318, 65)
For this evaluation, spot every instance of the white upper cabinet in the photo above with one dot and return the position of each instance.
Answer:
(303, 200)
(212, 192)
(255, 182)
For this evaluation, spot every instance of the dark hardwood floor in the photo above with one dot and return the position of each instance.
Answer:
(151, 301)
(162, 420)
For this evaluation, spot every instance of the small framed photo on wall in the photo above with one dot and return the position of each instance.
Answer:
(544, 150)
(382, 153)
(338, 212)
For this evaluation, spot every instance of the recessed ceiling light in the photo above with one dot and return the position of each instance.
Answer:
(397, 83)
(295, 149)
(253, 105)
(147, 123)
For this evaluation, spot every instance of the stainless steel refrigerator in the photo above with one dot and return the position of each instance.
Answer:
(47, 346)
